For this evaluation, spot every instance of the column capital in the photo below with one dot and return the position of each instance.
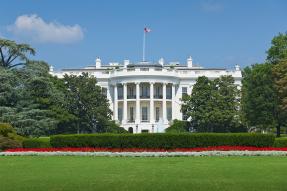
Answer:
(124, 83)
(151, 82)
(137, 83)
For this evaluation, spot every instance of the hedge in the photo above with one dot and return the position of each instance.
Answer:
(43, 142)
(280, 142)
(162, 140)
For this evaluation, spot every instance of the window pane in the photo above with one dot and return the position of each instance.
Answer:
(157, 113)
(120, 114)
(144, 114)
(169, 113)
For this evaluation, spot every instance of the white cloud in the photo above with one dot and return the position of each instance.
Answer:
(34, 28)
(211, 6)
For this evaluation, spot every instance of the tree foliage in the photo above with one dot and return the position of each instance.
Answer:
(87, 103)
(264, 88)
(259, 103)
(278, 49)
(12, 54)
(213, 105)
(178, 127)
(38, 104)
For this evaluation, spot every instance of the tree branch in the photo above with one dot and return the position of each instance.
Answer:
(16, 65)
(2, 56)
(11, 60)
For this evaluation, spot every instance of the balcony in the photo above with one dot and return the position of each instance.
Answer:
(144, 96)
(131, 96)
(157, 96)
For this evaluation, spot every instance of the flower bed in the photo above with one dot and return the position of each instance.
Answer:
(198, 149)
(140, 152)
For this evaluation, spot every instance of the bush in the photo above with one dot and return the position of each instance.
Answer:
(7, 143)
(5, 129)
(112, 127)
(280, 142)
(43, 142)
(163, 140)
(178, 127)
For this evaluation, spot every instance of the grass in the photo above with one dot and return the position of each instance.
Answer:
(61, 173)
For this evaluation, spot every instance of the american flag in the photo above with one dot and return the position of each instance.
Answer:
(146, 30)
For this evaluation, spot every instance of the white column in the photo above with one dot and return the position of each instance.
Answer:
(125, 109)
(116, 102)
(164, 103)
(151, 105)
(173, 104)
(137, 103)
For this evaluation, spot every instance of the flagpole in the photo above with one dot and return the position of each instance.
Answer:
(144, 46)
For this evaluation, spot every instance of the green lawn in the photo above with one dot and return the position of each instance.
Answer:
(57, 173)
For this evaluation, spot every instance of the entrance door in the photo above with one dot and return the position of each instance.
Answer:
(131, 130)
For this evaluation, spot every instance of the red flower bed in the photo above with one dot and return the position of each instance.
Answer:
(198, 149)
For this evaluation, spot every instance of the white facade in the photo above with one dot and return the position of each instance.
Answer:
(146, 97)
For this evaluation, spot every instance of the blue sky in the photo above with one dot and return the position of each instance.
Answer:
(216, 33)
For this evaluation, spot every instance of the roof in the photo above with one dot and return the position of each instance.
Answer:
(144, 64)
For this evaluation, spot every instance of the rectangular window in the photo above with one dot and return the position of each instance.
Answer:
(131, 93)
(158, 92)
(157, 113)
(168, 92)
(120, 92)
(131, 114)
(169, 113)
(184, 91)
(144, 91)
(144, 114)
(120, 114)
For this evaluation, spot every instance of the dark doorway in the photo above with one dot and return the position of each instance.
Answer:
(131, 130)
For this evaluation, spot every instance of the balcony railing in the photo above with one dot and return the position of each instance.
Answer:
(131, 96)
(144, 96)
(157, 96)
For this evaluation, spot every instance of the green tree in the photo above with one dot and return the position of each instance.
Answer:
(31, 101)
(87, 103)
(278, 49)
(11, 53)
(178, 127)
(279, 72)
(197, 105)
(213, 105)
(259, 101)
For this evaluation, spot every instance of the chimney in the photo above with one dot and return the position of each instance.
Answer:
(126, 63)
(189, 62)
(51, 69)
(98, 62)
(237, 67)
(161, 61)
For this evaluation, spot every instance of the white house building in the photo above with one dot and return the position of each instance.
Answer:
(145, 96)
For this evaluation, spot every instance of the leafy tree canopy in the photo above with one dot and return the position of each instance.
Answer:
(13, 54)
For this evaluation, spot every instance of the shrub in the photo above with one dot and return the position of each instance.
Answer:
(163, 140)
(5, 129)
(43, 142)
(280, 142)
(7, 143)
(112, 127)
(178, 127)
